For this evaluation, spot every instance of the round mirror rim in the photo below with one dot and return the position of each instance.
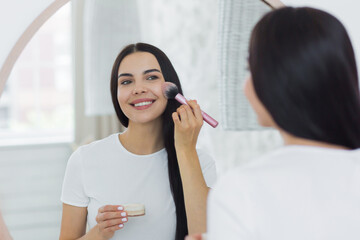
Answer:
(25, 38)
(37, 23)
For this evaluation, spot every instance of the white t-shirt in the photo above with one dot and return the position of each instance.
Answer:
(293, 193)
(105, 173)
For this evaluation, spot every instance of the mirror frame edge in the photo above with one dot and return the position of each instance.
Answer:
(25, 38)
(274, 4)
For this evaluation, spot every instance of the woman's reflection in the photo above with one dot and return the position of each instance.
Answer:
(146, 164)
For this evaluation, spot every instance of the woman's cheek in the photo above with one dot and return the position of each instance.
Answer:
(157, 90)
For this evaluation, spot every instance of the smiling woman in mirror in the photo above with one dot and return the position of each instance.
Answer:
(154, 163)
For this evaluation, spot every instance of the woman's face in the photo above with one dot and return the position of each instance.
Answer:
(263, 116)
(139, 88)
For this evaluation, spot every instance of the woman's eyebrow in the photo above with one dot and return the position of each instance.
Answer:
(125, 74)
(145, 72)
(151, 70)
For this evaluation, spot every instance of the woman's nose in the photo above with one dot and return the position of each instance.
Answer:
(139, 89)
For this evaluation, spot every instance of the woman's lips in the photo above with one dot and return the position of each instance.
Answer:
(141, 104)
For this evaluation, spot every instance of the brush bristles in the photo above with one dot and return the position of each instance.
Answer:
(170, 90)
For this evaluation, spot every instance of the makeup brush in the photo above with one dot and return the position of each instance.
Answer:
(171, 91)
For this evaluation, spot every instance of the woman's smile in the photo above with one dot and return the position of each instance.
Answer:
(143, 103)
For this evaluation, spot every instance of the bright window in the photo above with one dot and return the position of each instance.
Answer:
(37, 102)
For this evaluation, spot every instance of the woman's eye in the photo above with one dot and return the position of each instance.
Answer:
(152, 77)
(125, 82)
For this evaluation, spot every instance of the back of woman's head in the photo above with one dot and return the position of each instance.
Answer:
(304, 72)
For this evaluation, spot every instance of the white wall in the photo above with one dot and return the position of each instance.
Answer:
(15, 17)
(30, 187)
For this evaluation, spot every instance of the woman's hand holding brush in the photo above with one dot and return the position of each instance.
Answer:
(171, 91)
(188, 122)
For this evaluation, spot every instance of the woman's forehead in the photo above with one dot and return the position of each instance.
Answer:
(138, 61)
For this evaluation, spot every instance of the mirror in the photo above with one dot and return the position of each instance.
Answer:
(31, 174)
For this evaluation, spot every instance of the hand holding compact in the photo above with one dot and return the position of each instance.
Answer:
(110, 218)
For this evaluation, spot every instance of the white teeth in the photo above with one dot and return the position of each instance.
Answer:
(142, 104)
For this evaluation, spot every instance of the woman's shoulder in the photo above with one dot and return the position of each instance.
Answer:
(93, 149)
(245, 172)
(290, 160)
(97, 145)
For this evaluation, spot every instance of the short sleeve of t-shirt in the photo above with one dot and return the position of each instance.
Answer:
(73, 192)
(208, 167)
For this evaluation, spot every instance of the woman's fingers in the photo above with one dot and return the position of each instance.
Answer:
(114, 228)
(108, 228)
(110, 215)
(188, 123)
(183, 114)
(189, 114)
(113, 222)
(196, 109)
(110, 208)
(110, 218)
(176, 118)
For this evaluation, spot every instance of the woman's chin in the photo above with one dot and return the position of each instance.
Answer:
(146, 120)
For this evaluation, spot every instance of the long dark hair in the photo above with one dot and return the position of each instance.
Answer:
(170, 75)
(304, 71)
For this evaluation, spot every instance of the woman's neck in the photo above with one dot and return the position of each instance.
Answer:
(293, 140)
(143, 139)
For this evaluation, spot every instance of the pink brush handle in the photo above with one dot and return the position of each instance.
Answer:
(212, 122)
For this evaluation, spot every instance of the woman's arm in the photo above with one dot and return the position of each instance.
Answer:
(110, 218)
(73, 223)
(188, 123)
(195, 190)
(4, 233)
